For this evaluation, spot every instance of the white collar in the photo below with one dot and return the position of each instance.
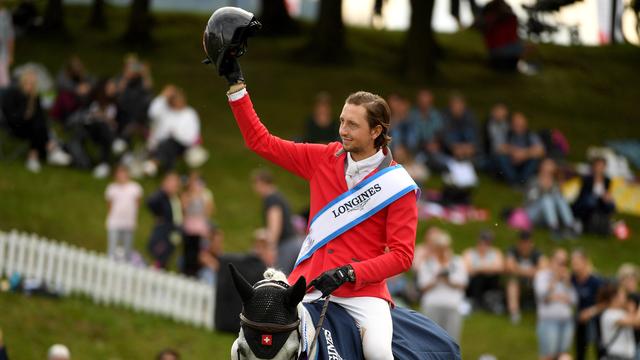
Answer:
(364, 166)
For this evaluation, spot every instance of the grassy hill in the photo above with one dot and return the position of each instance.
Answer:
(588, 93)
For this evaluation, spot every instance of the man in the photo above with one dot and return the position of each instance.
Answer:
(277, 218)
(166, 207)
(461, 135)
(359, 235)
(518, 158)
(428, 124)
(523, 261)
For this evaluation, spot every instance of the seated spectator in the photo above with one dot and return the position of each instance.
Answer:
(595, 205)
(496, 131)
(26, 119)
(499, 25)
(545, 204)
(198, 207)
(587, 285)
(460, 134)
(123, 200)
(276, 213)
(442, 280)
(134, 95)
(321, 127)
(485, 264)
(523, 262)
(428, 124)
(97, 123)
(175, 127)
(165, 206)
(168, 354)
(401, 129)
(74, 86)
(555, 300)
(58, 352)
(617, 324)
(209, 255)
(417, 170)
(518, 158)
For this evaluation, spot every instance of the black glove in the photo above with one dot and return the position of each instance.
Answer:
(230, 70)
(332, 279)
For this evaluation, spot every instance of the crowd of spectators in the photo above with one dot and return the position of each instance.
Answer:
(573, 304)
(98, 122)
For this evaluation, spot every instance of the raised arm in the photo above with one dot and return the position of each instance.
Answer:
(299, 159)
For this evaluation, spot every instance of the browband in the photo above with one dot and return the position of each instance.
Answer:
(268, 327)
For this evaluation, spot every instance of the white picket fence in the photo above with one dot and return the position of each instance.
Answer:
(72, 270)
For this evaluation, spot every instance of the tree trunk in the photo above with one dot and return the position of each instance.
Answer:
(328, 37)
(276, 20)
(54, 17)
(98, 19)
(420, 46)
(140, 22)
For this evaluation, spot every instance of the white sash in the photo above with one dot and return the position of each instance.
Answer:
(355, 206)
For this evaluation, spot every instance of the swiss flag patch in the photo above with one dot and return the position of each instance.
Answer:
(267, 340)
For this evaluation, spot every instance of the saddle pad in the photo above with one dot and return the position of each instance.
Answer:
(415, 337)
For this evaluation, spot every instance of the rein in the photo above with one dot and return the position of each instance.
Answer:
(323, 313)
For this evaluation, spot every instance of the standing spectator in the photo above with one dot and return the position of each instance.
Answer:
(485, 264)
(209, 256)
(175, 127)
(461, 134)
(518, 158)
(168, 354)
(428, 124)
(96, 123)
(546, 205)
(165, 205)
(497, 131)
(6, 45)
(277, 219)
(123, 199)
(134, 96)
(424, 251)
(594, 205)
(58, 352)
(198, 205)
(555, 299)
(587, 285)
(442, 279)
(523, 262)
(26, 119)
(499, 25)
(617, 323)
(628, 276)
(74, 86)
(321, 127)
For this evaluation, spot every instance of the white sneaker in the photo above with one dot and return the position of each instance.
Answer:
(101, 171)
(118, 146)
(58, 157)
(33, 165)
(150, 168)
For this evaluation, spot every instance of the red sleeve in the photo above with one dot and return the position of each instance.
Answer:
(294, 157)
(402, 220)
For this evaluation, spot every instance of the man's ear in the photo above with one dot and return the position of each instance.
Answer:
(376, 131)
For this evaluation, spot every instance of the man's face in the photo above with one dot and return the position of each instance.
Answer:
(424, 99)
(355, 132)
(519, 123)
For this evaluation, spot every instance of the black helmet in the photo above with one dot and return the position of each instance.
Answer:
(227, 32)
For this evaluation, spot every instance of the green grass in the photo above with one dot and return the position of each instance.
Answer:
(589, 93)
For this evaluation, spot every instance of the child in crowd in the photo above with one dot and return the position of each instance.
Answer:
(123, 198)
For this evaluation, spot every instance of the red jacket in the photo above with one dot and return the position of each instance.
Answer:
(378, 248)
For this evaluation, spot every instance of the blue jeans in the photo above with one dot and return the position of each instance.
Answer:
(554, 336)
(515, 173)
(549, 210)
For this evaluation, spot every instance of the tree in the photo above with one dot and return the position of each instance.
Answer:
(420, 45)
(98, 19)
(53, 21)
(328, 38)
(276, 20)
(140, 23)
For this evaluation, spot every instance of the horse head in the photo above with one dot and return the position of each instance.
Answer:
(274, 324)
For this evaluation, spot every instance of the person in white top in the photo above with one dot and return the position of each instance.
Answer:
(485, 264)
(442, 279)
(123, 198)
(175, 127)
(617, 323)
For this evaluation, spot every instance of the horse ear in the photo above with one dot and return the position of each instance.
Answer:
(296, 292)
(242, 285)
